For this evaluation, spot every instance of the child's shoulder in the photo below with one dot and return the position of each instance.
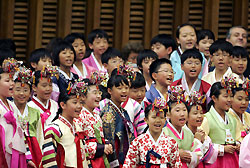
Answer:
(53, 129)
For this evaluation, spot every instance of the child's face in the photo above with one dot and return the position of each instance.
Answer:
(113, 63)
(155, 122)
(238, 65)
(42, 62)
(221, 60)
(43, 89)
(195, 116)
(204, 45)
(178, 115)
(191, 67)
(223, 102)
(93, 97)
(99, 46)
(187, 38)
(240, 102)
(72, 108)
(119, 93)
(132, 57)
(80, 48)
(146, 63)
(66, 57)
(6, 85)
(165, 75)
(137, 94)
(21, 93)
(160, 50)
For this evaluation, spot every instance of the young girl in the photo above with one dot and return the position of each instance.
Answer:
(63, 146)
(79, 68)
(91, 124)
(11, 134)
(221, 126)
(117, 127)
(238, 110)
(154, 148)
(64, 57)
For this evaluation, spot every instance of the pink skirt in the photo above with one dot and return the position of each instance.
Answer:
(228, 160)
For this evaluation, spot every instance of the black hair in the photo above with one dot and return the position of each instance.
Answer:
(183, 25)
(149, 108)
(138, 82)
(165, 40)
(39, 54)
(60, 46)
(171, 103)
(88, 83)
(37, 77)
(131, 47)
(52, 43)
(5, 54)
(191, 53)
(221, 45)
(70, 38)
(239, 52)
(117, 80)
(145, 54)
(8, 44)
(97, 33)
(215, 91)
(110, 53)
(202, 34)
(237, 89)
(155, 66)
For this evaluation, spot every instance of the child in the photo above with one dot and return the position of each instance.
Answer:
(191, 64)
(186, 38)
(63, 145)
(162, 74)
(40, 58)
(154, 148)
(64, 57)
(221, 126)
(220, 51)
(238, 110)
(79, 68)
(205, 39)
(91, 124)
(113, 115)
(163, 45)
(98, 43)
(144, 60)
(11, 134)
(238, 61)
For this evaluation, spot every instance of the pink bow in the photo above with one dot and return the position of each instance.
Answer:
(45, 116)
(243, 134)
(10, 119)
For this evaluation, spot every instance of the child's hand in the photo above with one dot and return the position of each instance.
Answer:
(229, 148)
(108, 149)
(185, 156)
(238, 147)
(200, 135)
(31, 164)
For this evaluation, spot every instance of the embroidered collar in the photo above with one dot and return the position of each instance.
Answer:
(175, 132)
(113, 104)
(25, 112)
(44, 106)
(66, 122)
(179, 48)
(185, 85)
(100, 68)
(65, 75)
(219, 117)
(227, 73)
(5, 107)
(79, 73)
(238, 118)
(159, 138)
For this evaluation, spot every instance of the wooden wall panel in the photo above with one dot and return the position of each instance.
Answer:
(196, 13)
(78, 21)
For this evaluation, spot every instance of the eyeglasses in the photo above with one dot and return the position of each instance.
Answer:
(221, 54)
(166, 71)
(193, 63)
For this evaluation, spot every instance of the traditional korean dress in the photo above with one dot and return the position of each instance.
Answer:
(12, 137)
(118, 130)
(221, 133)
(145, 150)
(87, 70)
(63, 145)
(91, 124)
(244, 158)
(92, 62)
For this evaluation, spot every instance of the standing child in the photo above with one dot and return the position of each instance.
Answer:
(221, 126)
(154, 148)
(63, 144)
(39, 58)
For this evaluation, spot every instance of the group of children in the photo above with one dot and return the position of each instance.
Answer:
(169, 106)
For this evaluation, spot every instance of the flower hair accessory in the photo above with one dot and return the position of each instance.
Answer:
(195, 98)
(78, 88)
(98, 77)
(126, 71)
(229, 83)
(48, 72)
(24, 75)
(10, 65)
(246, 86)
(176, 93)
(160, 104)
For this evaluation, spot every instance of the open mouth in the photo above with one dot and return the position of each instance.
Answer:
(157, 125)
(192, 70)
(182, 120)
(199, 120)
(69, 61)
(169, 79)
(124, 96)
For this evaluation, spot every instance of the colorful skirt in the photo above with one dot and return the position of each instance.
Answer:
(228, 160)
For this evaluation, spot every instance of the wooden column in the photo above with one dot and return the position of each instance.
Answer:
(117, 43)
(240, 13)
(126, 22)
(7, 18)
(64, 15)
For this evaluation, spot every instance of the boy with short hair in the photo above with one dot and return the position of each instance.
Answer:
(39, 58)
(163, 45)
(98, 43)
(221, 52)
(144, 60)
(162, 74)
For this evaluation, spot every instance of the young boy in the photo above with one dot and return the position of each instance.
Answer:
(144, 60)
(130, 53)
(98, 43)
(220, 51)
(162, 74)
(186, 38)
(163, 45)
(39, 58)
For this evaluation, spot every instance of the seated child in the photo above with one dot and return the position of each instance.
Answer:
(144, 60)
(98, 43)
(154, 148)
(186, 38)
(162, 74)
(220, 51)
(79, 68)
(205, 39)
(63, 139)
(163, 45)
(40, 58)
